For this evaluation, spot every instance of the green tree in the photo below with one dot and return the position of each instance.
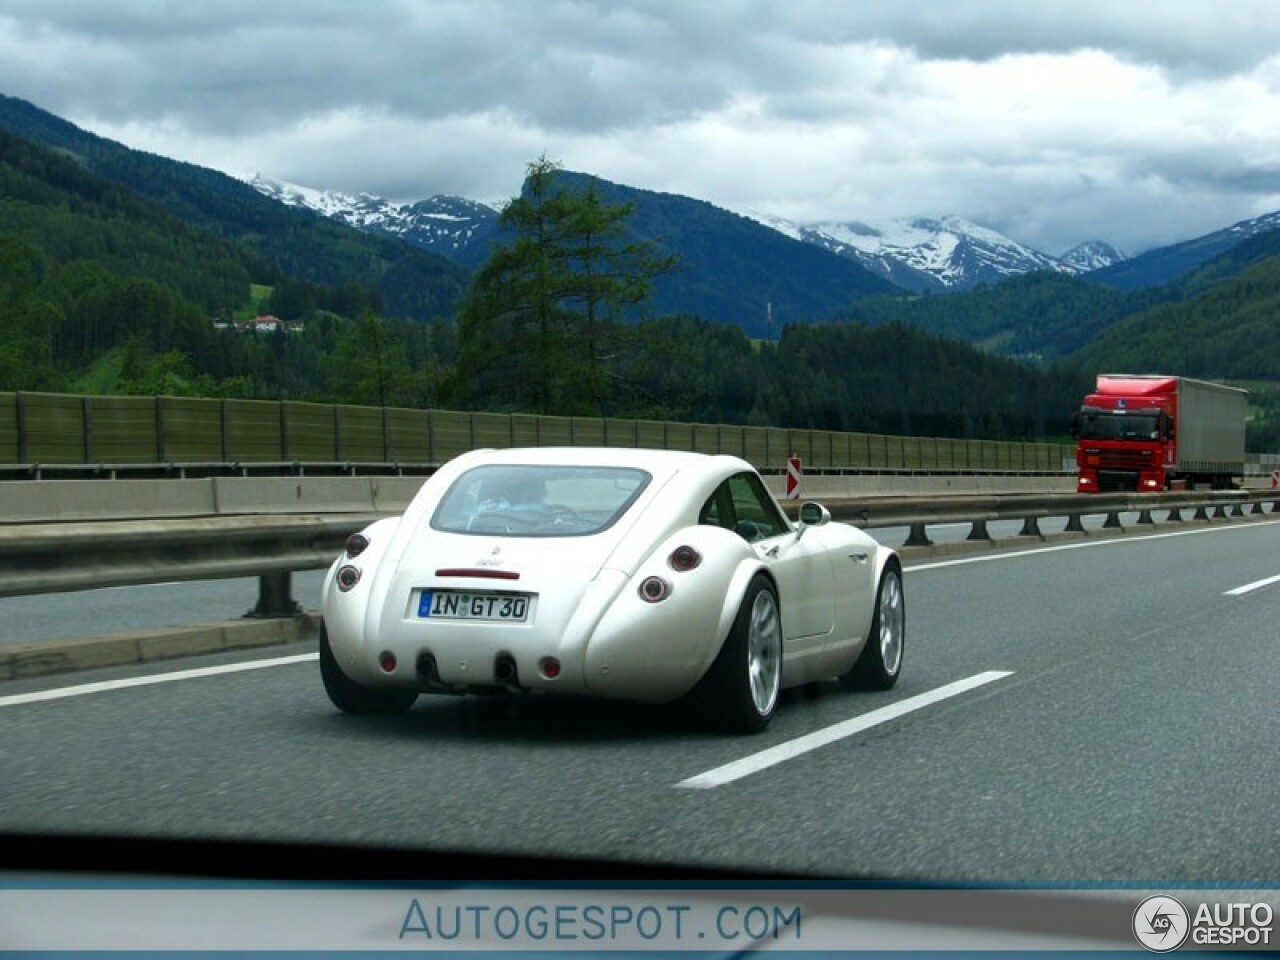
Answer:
(27, 319)
(537, 325)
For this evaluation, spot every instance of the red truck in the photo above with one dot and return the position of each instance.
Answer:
(1148, 433)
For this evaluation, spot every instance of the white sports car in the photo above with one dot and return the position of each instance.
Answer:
(644, 575)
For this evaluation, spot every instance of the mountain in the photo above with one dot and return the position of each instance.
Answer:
(916, 254)
(1047, 316)
(732, 269)
(1157, 267)
(938, 255)
(1089, 256)
(71, 215)
(1227, 330)
(411, 282)
(453, 227)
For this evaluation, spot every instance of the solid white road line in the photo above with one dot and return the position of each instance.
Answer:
(1250, 587)
(847, 728)
(61, 693)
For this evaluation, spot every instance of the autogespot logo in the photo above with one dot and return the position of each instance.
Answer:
(1161, 924)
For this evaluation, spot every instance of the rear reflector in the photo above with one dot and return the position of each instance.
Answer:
(654, 589)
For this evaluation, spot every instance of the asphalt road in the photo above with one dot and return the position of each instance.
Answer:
(1121, 727)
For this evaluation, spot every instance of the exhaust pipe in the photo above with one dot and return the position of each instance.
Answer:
(428, 673)
(504, 671)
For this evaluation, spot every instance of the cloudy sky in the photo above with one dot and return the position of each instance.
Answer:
(1139, 123)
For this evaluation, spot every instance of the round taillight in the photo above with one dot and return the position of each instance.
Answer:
(387, 661)
(348, 577)
(550, 667)
(654, 589)
(356, 544)
(684, 558)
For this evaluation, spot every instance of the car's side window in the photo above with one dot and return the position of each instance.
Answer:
(742, 504)
(753, 504)
(717, 511)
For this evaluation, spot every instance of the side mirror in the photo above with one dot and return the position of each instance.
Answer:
(1074, 427)
(814, 514)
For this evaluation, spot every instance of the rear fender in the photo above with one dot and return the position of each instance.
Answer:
(737, 589)
(345, 612)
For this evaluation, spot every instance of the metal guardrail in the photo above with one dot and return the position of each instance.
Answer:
(55, 557)
(59, 557)
(917, 514)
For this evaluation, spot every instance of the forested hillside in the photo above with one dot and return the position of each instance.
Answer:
(412, 283)
(1037, 316)
(1047, 317)
(1231, 330)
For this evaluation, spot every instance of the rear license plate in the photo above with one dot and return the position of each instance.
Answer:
(457, 605)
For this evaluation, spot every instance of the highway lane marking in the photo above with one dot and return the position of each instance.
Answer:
(61, 693)
(1250, 587)
(1014, 552)
(820, 738)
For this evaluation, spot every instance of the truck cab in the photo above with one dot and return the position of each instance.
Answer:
(1147, 433)
(1125, 444)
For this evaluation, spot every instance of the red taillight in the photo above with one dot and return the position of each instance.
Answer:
(348, 577)
(654, 589)
(550, 667)
(356, 544)
(684, 558)
(387, 661)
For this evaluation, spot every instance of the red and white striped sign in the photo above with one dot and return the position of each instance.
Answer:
(793, 478)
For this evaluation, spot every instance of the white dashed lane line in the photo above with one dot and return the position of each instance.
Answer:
(846, 728)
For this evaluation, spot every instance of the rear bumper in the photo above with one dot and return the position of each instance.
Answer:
(611, 645)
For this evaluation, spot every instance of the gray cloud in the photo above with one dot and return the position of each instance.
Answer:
(1141, 124)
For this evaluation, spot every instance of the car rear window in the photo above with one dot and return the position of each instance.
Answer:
(533, 500)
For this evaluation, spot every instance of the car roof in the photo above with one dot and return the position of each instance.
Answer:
(643, 458)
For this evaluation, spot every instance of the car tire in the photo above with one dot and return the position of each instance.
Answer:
(880, 663)
(355, 698)
(744, 681)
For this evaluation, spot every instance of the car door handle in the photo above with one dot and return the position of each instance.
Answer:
(858, 557)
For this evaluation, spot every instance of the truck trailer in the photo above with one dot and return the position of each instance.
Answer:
(1148, 432)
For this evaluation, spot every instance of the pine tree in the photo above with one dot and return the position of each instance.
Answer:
(535, 328)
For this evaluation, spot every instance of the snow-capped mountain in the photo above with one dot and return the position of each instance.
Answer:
(1091, 255)
(950, 253)
(452, 226)
(916, 254)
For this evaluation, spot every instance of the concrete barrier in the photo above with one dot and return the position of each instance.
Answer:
(392, 494)
(239, 495)
(45, 501)
(52, 501)
(37, 501)
(846, 486)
